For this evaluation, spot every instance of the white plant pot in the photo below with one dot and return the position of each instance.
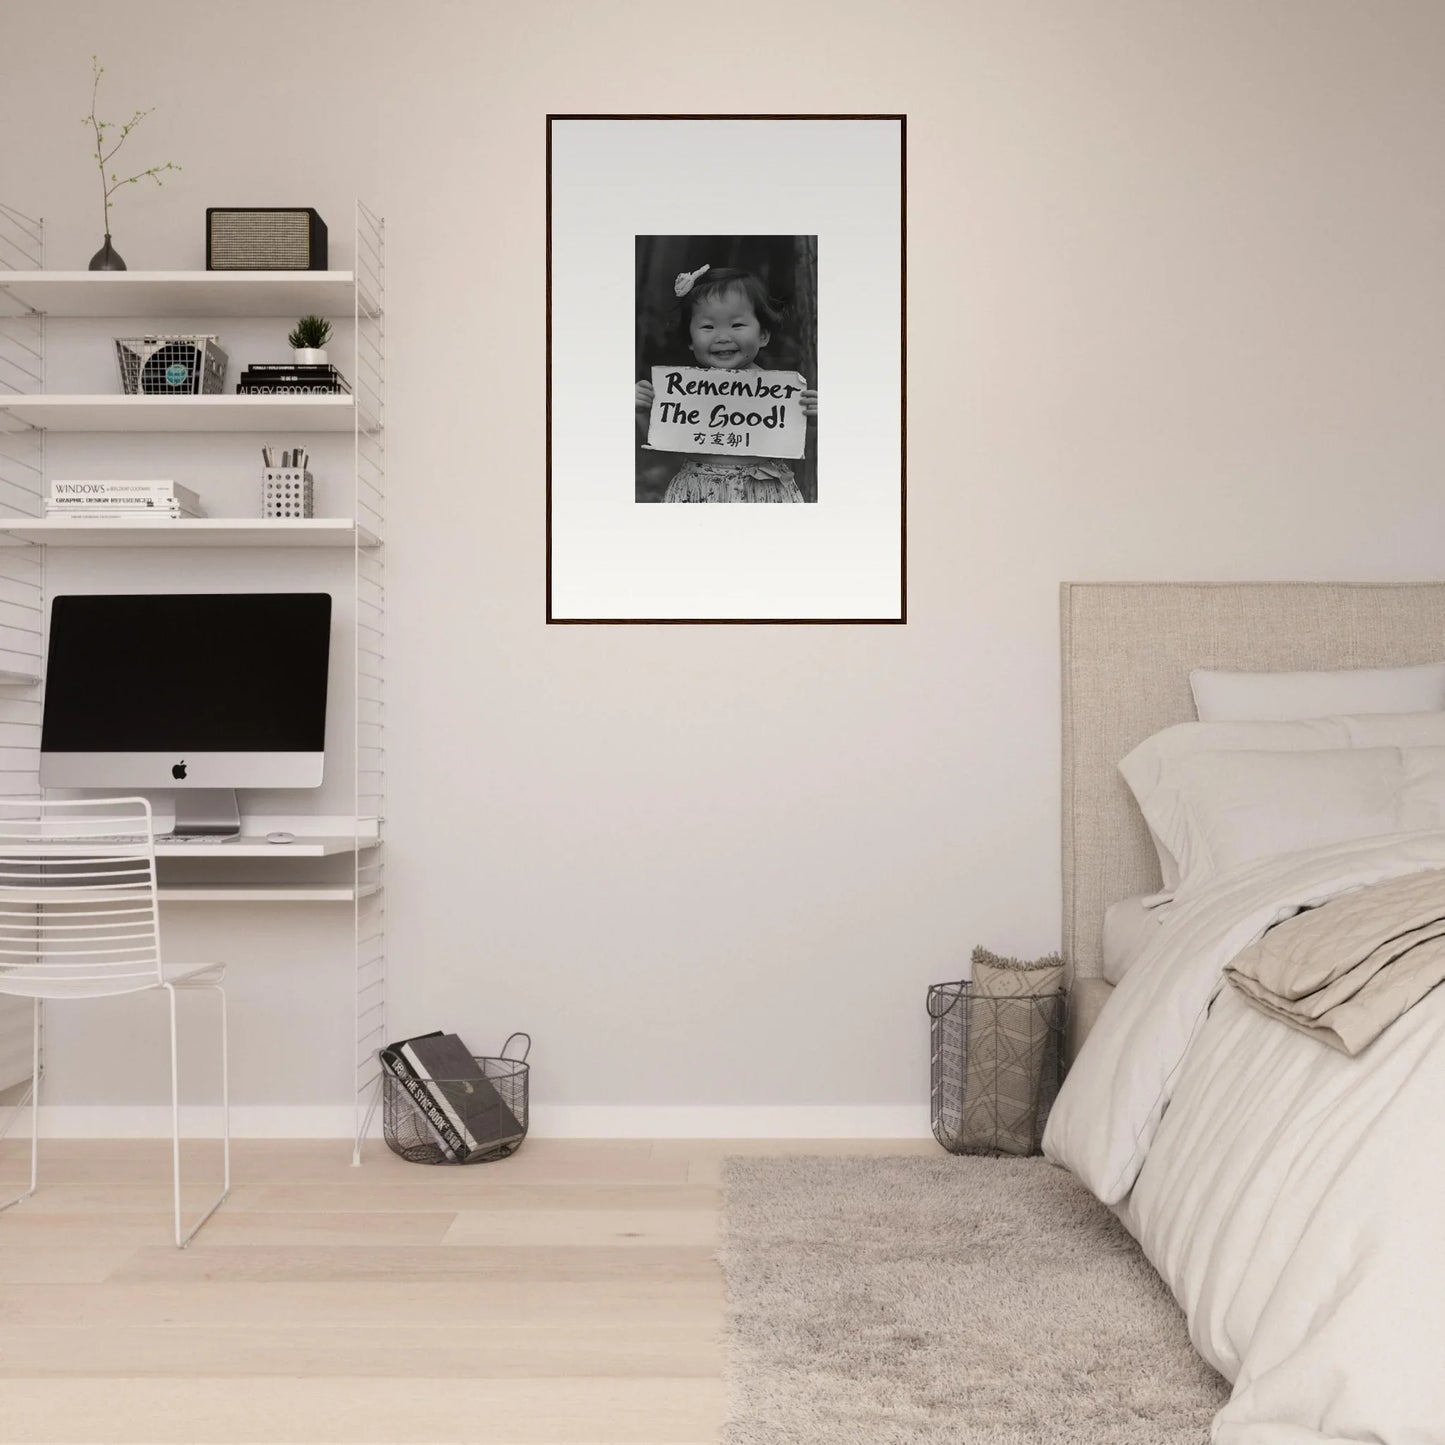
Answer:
(309, 356)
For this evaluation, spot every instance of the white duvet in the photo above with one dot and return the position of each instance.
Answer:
(1292, 1198)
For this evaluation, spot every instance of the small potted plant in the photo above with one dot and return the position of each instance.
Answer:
(308, 340)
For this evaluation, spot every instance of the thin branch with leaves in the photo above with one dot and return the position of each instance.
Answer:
(103, 157)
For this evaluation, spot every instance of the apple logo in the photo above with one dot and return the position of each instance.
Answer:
(179, 771)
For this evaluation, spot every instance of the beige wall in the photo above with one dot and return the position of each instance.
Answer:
(1177, 307)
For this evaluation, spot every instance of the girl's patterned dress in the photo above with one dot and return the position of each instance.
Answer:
(733, 479)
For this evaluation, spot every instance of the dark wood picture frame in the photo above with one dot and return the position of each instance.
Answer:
(902, 616)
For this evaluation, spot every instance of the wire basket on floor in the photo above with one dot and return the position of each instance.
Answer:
(170, 365)
(996, 1068)
(408, 1132)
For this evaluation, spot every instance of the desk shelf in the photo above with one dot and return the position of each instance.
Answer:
(257, 847)
(316, 846)
(263, 892)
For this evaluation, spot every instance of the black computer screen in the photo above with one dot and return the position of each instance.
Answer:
(210, 672)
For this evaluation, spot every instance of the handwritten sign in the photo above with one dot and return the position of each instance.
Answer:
(722, 413)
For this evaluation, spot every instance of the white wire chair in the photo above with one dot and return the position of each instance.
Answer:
(79, 919)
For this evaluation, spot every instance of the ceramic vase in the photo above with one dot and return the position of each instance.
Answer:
(107, 258)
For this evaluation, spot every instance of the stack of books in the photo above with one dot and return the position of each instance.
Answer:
(285, 378)
(89, 500)
(460, 1105)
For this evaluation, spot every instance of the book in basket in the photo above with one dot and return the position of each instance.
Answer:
(448, 1140)
(474, 1118)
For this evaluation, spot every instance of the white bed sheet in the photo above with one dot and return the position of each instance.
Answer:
(1129, 928)
(1290, 1196)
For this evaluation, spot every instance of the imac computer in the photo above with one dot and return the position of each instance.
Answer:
(193, 694)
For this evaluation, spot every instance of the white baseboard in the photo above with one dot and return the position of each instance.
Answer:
(725, 1121)
(153, 1121)
(548, 1121)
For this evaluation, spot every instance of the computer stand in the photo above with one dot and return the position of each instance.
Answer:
(207, 813)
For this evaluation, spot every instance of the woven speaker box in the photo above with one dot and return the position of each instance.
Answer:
(274, 238)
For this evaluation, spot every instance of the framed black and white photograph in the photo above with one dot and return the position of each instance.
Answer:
(750, 272)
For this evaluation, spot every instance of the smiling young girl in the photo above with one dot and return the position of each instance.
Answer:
(726, 317)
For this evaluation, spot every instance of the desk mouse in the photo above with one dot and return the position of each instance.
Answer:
(280, 837)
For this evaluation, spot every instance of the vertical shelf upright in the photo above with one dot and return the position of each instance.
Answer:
(369, 382)
(28, 293)
(22, 577)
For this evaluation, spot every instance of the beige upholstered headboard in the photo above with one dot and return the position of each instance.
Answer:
(1128, 648)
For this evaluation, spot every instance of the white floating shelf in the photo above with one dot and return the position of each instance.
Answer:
(246, 846)
(258, 847)
(186, 413)
(185, 293)
(186, 532)
(261, 892)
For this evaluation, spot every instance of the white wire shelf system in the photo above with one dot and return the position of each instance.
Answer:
(29, 296)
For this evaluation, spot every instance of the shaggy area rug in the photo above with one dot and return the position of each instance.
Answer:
(963, 1301)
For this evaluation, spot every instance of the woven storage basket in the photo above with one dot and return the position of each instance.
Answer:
(996, 1066)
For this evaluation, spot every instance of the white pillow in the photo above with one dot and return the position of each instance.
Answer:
(1278, 696)
(1237, 807)
(1152, 769)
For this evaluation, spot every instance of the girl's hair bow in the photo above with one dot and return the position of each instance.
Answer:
(686, 280)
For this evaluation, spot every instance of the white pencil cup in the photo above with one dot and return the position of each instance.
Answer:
(287, 492)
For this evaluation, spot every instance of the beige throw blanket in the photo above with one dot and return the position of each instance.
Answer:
(1346, 971)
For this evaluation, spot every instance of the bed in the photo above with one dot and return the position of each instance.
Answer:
(1289, 1196)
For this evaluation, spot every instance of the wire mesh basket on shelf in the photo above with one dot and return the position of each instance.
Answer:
(996, 1068)
(409, 1132)
(170, 365)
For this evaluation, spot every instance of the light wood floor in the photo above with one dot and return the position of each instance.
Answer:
(566, 1296)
